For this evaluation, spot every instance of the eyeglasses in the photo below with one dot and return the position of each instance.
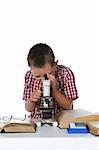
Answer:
(7, 119)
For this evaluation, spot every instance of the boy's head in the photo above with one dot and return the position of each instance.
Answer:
(41, 60)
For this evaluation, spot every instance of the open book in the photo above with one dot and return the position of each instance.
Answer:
(64, 117)
(10, 124)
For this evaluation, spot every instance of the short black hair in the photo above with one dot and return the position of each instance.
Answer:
(39, 55)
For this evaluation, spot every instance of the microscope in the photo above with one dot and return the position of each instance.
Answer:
(47, 106)
(47, 99)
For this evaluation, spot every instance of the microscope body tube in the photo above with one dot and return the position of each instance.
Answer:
(46, 88)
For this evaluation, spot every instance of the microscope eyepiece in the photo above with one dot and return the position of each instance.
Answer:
(45, 76)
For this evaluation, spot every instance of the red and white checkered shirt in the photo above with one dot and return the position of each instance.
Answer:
(66, 85)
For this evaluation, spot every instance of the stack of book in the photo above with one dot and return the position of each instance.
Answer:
(65, 117)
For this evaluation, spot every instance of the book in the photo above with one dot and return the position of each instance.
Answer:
(78, 127)
(16, 125)
(93, 127)
(64, 117)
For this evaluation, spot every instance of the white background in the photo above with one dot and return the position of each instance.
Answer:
(70, 27)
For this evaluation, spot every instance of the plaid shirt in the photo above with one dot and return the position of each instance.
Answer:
(66, 85)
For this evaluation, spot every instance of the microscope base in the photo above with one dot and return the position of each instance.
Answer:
(51, 122)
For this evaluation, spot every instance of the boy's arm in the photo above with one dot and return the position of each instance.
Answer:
(62, 100)
(31, 103)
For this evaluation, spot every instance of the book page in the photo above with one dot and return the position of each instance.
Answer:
(77, 113)
(95, 123)
(16, 120)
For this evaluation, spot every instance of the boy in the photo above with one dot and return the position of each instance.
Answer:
(41, 61)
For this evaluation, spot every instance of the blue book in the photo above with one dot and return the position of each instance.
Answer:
(77, 127)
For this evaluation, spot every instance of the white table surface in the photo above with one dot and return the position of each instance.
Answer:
(48, 138)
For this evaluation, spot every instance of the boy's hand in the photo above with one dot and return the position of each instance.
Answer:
(35, 96)
(54, 81)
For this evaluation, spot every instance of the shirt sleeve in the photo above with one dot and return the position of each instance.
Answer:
(27, 88)
(70, 89)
